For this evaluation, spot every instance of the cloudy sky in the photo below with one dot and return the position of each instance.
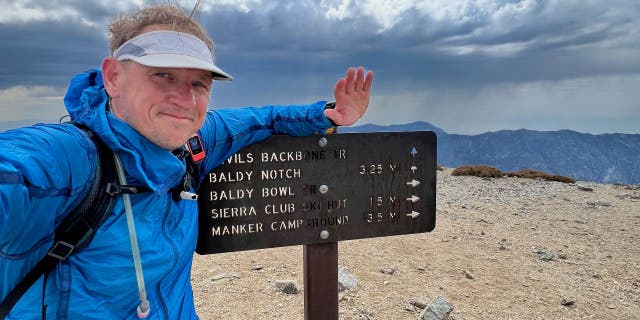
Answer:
(466, 66)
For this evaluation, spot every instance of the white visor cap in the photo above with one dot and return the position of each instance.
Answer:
(170, 49)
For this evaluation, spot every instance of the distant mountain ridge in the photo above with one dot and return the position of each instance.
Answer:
(605, 158)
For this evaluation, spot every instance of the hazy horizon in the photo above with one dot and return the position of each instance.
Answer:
(8, 125)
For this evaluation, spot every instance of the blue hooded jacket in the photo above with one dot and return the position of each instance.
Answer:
(46, 170)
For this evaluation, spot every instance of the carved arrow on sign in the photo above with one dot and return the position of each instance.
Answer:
(413, 214)
(414, 183)
(413, 198)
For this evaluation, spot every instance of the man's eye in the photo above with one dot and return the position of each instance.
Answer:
(161, 74)
(199, 84)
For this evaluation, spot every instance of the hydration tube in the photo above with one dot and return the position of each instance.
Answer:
(144, 307)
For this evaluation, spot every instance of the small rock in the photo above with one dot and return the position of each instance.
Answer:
(346, 280)
(256, 268)
(409, 307)
(546, 257)
(439, 309)
(467, 274)
(222, 276)
(418, 304)
(567, 302)
(585, 188)
(599, 203)
(387, 270)
(364, 315)
(287, 286)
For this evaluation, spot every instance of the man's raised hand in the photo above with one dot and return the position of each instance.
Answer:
(352, 97)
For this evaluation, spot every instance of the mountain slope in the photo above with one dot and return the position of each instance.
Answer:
(603, 158)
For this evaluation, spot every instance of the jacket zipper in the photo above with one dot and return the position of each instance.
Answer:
(174, 248)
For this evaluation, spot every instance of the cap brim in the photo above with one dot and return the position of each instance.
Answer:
(167, 60)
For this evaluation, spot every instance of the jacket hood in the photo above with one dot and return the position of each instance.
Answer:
(86, 101)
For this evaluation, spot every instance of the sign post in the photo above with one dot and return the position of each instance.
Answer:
(321, 281)
(316, 191)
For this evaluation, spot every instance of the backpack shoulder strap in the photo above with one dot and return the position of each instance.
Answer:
(78, 228)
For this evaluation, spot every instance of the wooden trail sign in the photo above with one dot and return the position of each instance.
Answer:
(319, 189)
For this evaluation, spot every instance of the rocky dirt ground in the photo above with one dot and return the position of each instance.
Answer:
(505, 248)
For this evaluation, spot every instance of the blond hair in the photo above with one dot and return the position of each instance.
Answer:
(127, 26)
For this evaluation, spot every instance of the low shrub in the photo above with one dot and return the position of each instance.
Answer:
(478, 171)
(533, 174)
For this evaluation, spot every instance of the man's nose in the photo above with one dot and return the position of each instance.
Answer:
(183, 95)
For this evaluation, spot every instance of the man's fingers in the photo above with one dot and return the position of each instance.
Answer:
(350, 80)
(368, 81)
(339, 89)
(359, 79)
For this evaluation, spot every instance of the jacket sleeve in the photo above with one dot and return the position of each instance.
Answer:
(229, 130)
(45, 170)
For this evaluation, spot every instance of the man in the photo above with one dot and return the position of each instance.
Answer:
(149, 98)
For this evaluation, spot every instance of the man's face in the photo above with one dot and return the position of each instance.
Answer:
(166, 105)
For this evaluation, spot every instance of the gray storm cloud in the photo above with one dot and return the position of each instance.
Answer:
(468, 66)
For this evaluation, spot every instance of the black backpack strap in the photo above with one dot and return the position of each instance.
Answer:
(78, 227)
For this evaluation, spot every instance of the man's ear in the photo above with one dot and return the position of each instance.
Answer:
(111, 69)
